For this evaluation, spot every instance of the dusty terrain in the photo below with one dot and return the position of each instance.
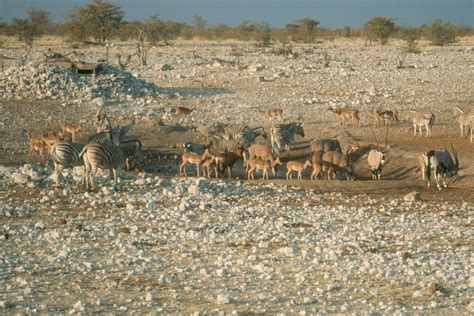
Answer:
(168, 244)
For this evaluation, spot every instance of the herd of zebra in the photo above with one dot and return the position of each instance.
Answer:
(228, 144)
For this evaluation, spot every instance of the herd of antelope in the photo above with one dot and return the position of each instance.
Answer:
(228, 144)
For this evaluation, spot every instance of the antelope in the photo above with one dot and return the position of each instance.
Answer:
(376, 158)
(192, 158)
(272, 112)
(345, 115)
(182, 111)
(50, 138)
(208, 164)
(298, 166)
(326, 168)
(464, 119)
(325, 144)
(36, 143)
(388, 116)
(73, 129)
(228, 159)
(441, 164)
(420, 119)
(340, 160)
(374, 115)
(259, 164)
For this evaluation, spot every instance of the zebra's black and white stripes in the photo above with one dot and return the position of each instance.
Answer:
(464, 120)
(282, 135)
(65, 155)
(106, 156)
(420, 119)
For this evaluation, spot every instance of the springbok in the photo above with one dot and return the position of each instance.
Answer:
(345, 115)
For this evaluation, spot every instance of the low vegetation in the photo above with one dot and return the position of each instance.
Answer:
(101, 21)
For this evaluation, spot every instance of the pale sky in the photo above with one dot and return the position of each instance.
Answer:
(330, 13)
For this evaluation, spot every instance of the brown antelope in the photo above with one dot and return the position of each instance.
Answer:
(388, 117)
(259, 164)
(298, 166)
(192, 158)
(228, 159)
(49, 138)
(72, 129)
(272, 112)
(339, 160)
(326, 169)
(182, 111)
(346, 115)
(208, 163)
(36, 143)
(374, 115)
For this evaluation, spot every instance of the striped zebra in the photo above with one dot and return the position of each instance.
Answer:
(283, 135)
(464, 119)
(235, 131)
(65, 155)
(219, 145)
(420, 119)
(106, 156)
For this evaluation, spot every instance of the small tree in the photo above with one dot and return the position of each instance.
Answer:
(439, 33)
(307, 29)
(380, 28)
(264, 35)
(199, 22)
(40, 20)
(99, 19)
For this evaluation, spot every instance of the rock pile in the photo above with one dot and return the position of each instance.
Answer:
(52, 82)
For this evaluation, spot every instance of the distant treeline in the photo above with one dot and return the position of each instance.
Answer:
(101, 21)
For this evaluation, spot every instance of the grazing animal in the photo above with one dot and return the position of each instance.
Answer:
(325, 145)
(346, 115)
(420, 119)
(282, 136)
(227, 160)
(208, 164)
(464, 120)
(264, 165)
(441, 163)
(376, 160)
(326, 169)
(36, 143)
(262, 152)
(69, 128)
(272, 112)
(340, 160)
(376, 157)
(388, 117)
(65, 155)
(298, 166)
(193, 158)
(106, 156)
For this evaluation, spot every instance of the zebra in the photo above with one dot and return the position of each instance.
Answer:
(106, 156)
(464, 119)
(253, 133)
(65, 155)
(221, 145)
(235, 131)
(283, 135)
(420, 119)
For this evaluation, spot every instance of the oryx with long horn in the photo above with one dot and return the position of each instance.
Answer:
(441, 163)
(376, 158)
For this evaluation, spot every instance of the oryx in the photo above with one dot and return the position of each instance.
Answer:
(376, 158)
(441, 163)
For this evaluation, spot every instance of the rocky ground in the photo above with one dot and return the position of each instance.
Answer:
(170, 244)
